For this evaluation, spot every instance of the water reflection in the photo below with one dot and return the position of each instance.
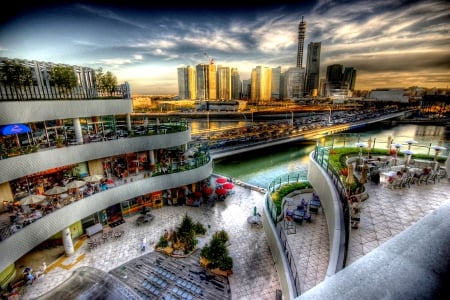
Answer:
(262, 166)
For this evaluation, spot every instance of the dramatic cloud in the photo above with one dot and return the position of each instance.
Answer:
(390, 43)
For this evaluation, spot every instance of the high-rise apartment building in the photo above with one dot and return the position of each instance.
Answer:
(301, 42)
(334, 73)
(349, 77)
(312, 68)
(276, 75)
(223, 83)
(236, 84)
(187, 86)
(206, 82)
(261, 84)
(293, 83)
(337, 84)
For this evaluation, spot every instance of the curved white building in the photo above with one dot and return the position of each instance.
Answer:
(143, 164)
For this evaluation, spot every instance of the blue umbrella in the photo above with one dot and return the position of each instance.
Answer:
(14, 129)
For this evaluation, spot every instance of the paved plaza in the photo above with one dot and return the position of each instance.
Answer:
(384, 214)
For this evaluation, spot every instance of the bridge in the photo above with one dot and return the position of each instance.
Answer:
(309, 135)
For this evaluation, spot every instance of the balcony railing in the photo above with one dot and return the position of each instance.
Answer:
(138, 131)
(201, 159)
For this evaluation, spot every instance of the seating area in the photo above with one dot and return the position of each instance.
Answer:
(299, 209)
(104, 237)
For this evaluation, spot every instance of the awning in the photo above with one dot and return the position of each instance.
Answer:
(14, 129)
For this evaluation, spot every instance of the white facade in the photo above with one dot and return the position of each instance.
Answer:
(294, 83)
(396, 95)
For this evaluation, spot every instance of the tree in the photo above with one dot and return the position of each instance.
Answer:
(106, 82)
(16, 76)
(63, 77)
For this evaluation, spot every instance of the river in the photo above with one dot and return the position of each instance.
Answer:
(260, 167)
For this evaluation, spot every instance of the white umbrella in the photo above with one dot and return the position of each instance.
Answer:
(56, 190)
(408, 153)
(410, 142)
(93, 178)
(32, 199)
(75, 184)
(350, 179)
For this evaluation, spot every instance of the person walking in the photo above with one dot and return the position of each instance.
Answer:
(144, 244)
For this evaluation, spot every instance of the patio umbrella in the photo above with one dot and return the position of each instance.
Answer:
(369, 145)
(75, 184)
(350, 178)
(93, 178)
(221, 180)
(56, 190)
(228, 186)
(208, 191)
(408, 153)
(221, 192)
(32, 199)
(364, 172)
(410, 142)
(15, 129)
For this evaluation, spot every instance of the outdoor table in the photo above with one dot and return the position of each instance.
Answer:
(386, 175)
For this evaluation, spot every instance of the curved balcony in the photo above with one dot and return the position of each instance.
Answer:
(36, 111)
(19, 166)
(37, 232)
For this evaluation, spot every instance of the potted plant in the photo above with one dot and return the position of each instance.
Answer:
(59, 141)
(214, 255)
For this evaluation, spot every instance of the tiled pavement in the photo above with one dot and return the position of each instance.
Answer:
(384, 214)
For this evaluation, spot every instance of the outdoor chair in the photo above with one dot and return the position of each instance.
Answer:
(423, 178)
(406, 182)
(314, 205)
(432, 178)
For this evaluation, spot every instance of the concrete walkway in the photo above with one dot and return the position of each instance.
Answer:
(383, 215)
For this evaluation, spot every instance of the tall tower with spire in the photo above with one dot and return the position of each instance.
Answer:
(301, 42)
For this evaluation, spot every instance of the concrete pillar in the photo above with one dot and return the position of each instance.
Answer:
(77, 130)
(67, 242)
(152, 156)
(129, 122)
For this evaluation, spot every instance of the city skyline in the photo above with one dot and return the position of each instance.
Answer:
(390, 44)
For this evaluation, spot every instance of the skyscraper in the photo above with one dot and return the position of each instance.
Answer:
(301, 42)
(312, 68)
(206, 82)
(349, 77)
(223, 83)
(187, 83)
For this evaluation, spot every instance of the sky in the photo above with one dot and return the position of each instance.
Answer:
(391, 43)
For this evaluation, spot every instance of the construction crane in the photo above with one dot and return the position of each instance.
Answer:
(210, 59)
